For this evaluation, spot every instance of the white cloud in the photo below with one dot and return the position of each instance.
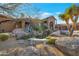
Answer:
(42, 15)
(59, 21)
(57, 13)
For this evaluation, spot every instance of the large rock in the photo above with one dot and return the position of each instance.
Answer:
(28, 51)
(68, 45)
(19, 32)
(57, 34)
(31, 51)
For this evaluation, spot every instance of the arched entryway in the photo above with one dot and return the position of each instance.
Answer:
(51, 25)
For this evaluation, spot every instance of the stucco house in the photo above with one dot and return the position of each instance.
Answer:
(50, 22)
(6, 23)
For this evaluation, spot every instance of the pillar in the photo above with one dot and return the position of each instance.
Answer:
(23, 24)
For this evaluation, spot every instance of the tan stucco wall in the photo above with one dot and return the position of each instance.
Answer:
(23, 24)
(7, 26)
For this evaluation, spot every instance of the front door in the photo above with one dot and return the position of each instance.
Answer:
(51, 25)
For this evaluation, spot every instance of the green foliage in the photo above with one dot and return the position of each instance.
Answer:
(39, 28)
(44, 27)
(39, 36)
(64, 17)
(36, 28)
(25, 37)
(51, 40)
(4, 37)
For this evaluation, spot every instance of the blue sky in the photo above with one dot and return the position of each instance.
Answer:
(52, 7)
(43, 10)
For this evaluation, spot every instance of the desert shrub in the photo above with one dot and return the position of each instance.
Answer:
(40, 28)
(37, 28)
(25, 37)
(51, 40)
(38, 36)
(4, 37)
(44, 27)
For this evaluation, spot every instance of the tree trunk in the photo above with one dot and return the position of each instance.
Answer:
(68, 26)
(73, 24)
(76, 18)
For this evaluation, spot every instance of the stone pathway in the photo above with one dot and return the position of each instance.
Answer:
(38, 50)
(10, 43)
(12, 48)
(50, 50)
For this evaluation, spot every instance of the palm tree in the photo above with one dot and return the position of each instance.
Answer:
(65, 17)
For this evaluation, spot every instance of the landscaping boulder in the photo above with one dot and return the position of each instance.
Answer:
(28, 51)
(31, 51)
(68, 45)
(19, 33)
